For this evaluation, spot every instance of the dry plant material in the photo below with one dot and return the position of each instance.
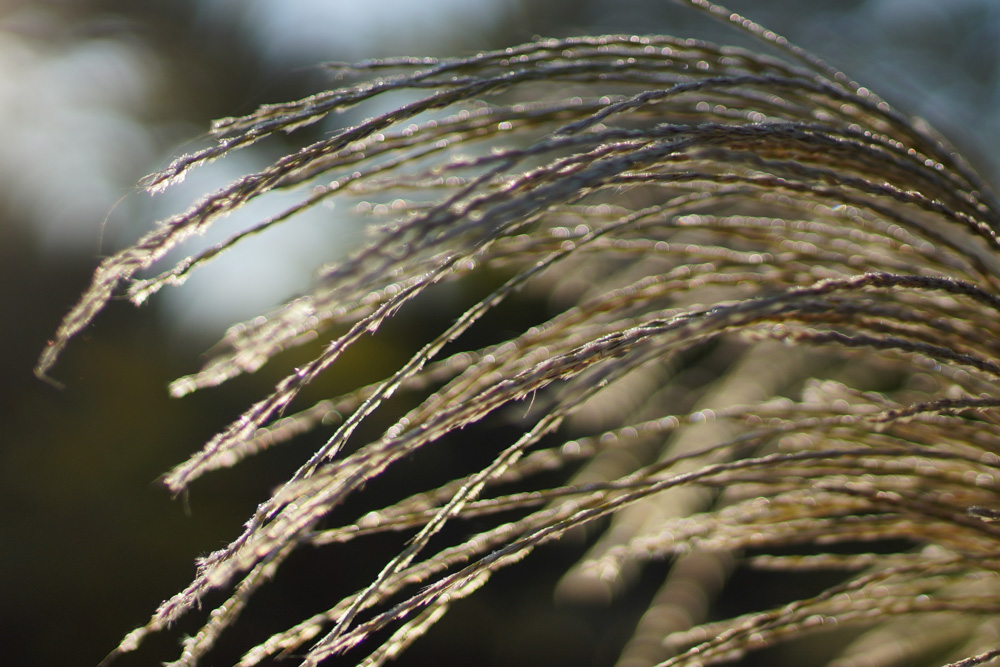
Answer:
(672, 195)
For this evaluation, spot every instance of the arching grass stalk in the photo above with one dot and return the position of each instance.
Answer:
(676, 196)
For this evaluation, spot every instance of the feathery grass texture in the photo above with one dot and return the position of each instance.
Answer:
(677, 199)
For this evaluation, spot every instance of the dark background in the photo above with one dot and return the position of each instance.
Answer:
(93, 95)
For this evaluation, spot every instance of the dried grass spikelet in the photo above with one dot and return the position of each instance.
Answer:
(672, 193)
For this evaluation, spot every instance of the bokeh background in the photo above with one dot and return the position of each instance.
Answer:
(96, 93)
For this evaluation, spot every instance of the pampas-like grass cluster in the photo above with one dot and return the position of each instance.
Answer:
(674, 198)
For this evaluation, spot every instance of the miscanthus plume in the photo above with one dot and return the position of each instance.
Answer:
(734, 245)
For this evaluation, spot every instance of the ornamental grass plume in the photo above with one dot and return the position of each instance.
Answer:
(738, 249)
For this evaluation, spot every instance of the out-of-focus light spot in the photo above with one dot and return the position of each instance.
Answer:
(303, 31)
(73, 141)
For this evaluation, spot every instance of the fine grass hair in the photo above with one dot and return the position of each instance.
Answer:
(772, 345)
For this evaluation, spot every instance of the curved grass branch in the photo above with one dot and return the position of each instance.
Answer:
(672, 199)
